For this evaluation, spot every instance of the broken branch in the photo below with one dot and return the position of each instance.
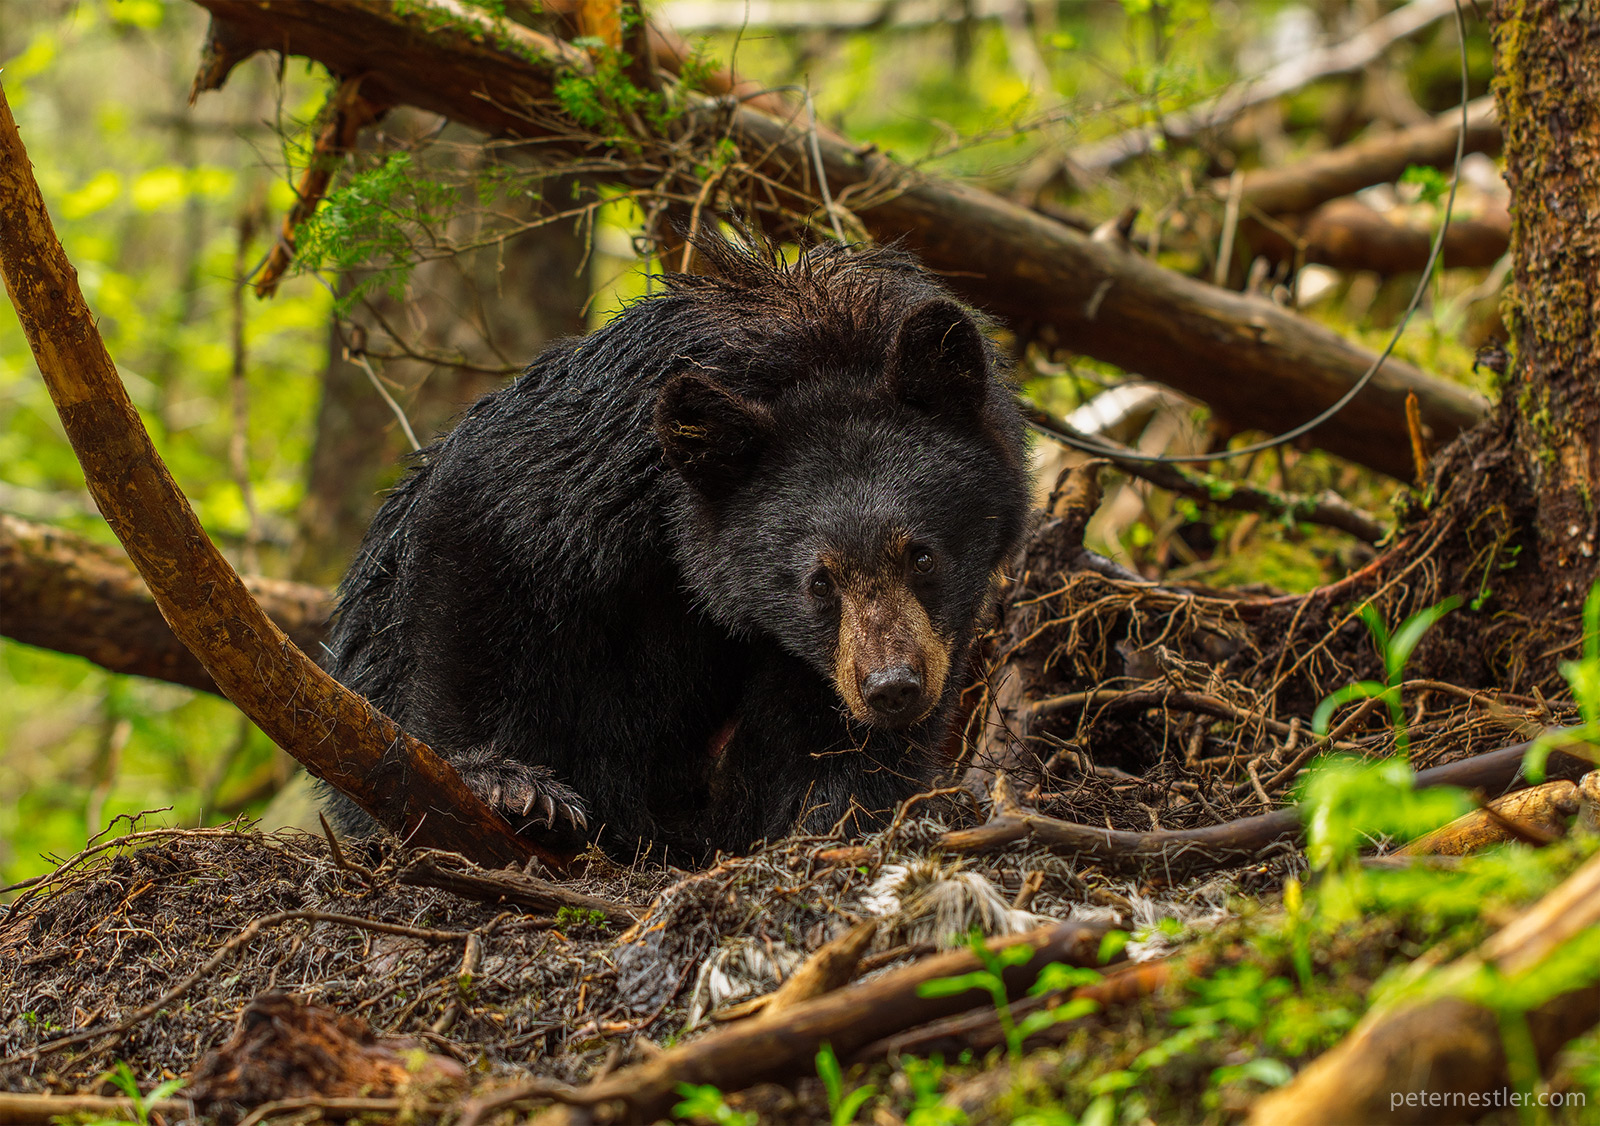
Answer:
(436, 869)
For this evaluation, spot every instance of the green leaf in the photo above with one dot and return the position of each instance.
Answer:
(1265, 1070)
(846, 1110)
(1433, 182)
(960, 983)
(1101, 1112)
(828, 1071)
(1111, 945)
(1375, 626)
(162, 1090)
(1014, 955)
(1591, 624)
(1398, 650)
(1059, 976)
(1321, 718)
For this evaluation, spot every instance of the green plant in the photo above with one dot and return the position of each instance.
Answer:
(1345, 801)
(842, 1105)
(580, 917)
(927, 1100)
(706, 1101)
(1396, 650)
(1431, 182)
(370, 224)
(123, 1078)
(991, 979)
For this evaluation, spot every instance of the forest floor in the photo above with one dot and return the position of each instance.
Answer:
(282, 980)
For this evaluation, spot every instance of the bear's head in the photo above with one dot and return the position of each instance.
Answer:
(856, 515)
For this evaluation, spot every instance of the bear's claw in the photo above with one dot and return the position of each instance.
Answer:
(524, 794)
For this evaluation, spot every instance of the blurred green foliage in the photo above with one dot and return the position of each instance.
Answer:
(146, 196)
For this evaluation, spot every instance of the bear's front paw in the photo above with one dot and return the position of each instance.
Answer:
(525, 795)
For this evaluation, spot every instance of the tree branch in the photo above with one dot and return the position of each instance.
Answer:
(63, 592)
(1329, 510)
(1339, 172)
(335, 733)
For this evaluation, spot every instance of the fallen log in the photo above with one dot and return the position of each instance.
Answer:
(1179, 853)
(1224, 348)
(336, 734)
(752, 1051)
(1544, 810)
(61, 591)
(1442, 1060)
(981, 1031)
(27, 1110)
(1348, 235)
(1309, 183)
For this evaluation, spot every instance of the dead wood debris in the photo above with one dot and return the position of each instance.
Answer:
(432, 868)
(783, 1045)
(1539, 810)
(1397, 1057)
(284, 1048)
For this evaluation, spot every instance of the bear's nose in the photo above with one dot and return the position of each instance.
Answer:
(893, 693)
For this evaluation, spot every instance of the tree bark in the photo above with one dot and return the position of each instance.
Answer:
(1548, 85)
(60, 591)
(335, 733)
(1348, 235)
(1258, 365)
(1308, 183)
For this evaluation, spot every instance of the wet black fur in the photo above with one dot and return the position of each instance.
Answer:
(546, 589)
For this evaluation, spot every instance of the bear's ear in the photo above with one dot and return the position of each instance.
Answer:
(940, 362)
(711, 436)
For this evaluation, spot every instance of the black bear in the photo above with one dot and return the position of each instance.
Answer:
(709, 573)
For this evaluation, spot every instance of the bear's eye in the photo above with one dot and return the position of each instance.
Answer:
(821, 585)
(922, 560)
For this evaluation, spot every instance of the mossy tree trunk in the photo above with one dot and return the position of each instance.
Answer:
(1515, 513)
(1548, 64)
